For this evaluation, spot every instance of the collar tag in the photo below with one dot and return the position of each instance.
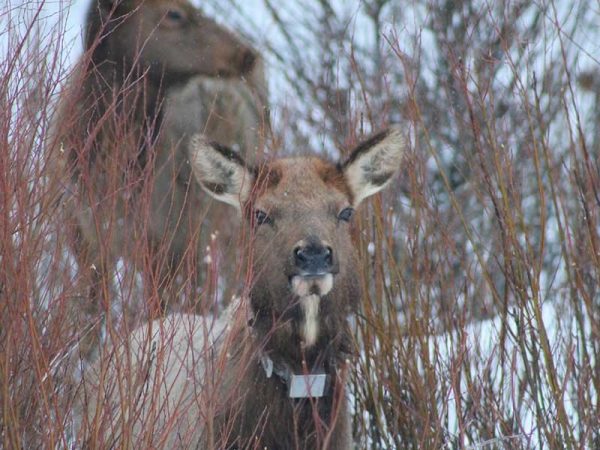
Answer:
(304, 386)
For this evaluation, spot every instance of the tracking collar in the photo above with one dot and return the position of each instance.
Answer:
(313, 385)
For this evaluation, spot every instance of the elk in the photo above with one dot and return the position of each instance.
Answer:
(273, 377)
(154, 73)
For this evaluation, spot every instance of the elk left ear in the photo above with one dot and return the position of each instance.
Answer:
(373, 163)
(220, 171)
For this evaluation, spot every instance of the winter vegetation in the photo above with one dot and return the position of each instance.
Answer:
(478, 325)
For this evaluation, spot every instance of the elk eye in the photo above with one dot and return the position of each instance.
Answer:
(175, 15)
(346, 214)
(261, 217)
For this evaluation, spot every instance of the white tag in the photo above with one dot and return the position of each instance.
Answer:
(304, 386)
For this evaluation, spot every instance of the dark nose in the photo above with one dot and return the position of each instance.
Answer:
(246, 60)
(313, 259)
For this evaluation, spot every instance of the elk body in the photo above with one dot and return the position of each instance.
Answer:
(154, 73)
(191, 382)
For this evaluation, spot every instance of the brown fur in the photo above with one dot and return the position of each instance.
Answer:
(212, 372)
(154, 73)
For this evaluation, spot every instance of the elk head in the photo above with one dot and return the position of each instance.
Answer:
(305, 274)
(171, 39)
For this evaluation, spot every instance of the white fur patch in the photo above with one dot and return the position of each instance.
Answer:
(212, 167)
(301, 286)
(310, 325)
(310, 290)
(325, 283)
(304, 286)
(381, 160)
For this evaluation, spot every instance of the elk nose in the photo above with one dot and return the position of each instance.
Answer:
(247, 58)
(313, 259)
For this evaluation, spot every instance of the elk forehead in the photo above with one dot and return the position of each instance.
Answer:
(305, 182)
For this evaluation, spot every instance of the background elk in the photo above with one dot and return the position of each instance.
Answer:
(227, 384)
(154, 73)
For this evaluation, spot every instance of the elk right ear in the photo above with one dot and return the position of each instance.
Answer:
(373, 164)
(220, 171)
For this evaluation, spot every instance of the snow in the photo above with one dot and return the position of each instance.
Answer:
(501, 363)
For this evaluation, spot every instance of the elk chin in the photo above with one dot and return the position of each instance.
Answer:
(305, 285)
(310, 289)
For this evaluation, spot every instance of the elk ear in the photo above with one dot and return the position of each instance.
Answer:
(220, 171)
(373, 163)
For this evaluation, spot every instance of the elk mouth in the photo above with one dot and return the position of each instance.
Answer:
(305, 284)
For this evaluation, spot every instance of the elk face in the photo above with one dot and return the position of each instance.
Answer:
(171, 39)
(300, 209)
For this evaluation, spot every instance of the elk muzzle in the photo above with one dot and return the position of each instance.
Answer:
(314, 267)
